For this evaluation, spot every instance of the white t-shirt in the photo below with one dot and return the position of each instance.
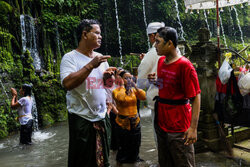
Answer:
(147, 66)
(88, 100)
(24, 111)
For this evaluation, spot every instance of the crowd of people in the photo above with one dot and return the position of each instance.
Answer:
(106, 116)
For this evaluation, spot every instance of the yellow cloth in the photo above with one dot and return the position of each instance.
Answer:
(127, 106)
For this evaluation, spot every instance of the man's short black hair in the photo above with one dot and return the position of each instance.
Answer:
(168, 33)
(27, 89)
(85, 25)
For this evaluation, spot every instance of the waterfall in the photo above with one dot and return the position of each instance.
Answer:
(4, 89)
(179, 20)
(222, 29)
(205, 14)
(145, 20)
(29, 41)
(238, 21)
(34, 113)
(119, 32)
(58, 39)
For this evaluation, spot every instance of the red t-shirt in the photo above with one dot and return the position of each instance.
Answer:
(177, 80)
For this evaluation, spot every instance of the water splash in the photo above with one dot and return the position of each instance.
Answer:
(34, 113)
(119, 32)
(222, 29)
(41, 136)
(179, 20)
(2, 146)
(205, 14)
(145, 20)
(238, 21)
(29, 39)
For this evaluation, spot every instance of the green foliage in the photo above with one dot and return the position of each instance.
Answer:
(129, 62)
(50, 99)
(3, 123)
(6, 60)
(5, 39)
(5, 9)
(47, 119)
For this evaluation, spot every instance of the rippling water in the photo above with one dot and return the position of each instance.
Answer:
(50, 149)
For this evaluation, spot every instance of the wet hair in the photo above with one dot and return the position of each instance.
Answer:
(123, 72)
(85, 25)
(168, 33)
(27, 89)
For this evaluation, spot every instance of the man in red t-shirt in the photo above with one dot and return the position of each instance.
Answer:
(176, 122)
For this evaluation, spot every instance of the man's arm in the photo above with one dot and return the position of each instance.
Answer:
(74, 79)
(145, 67)
(191, 134)
(14, 104)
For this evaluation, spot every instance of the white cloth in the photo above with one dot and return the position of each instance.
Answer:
(210, 4)
(88, 100)
(24, 111)
(147, 66)
(154, 26)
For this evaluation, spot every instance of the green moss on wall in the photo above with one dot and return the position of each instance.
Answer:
(47, 119)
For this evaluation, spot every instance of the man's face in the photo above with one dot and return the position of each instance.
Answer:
(151, 38)
(94, 36)
(161, 46)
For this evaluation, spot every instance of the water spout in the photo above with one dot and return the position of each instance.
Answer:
(205, 14)
(238, 21)
(119, 32)
(222, 29)
(29, 41)
(231, 20)
(179, 20)
(34, 113)
(145, 20)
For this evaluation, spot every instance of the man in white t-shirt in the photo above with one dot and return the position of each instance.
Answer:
(147, 66)
(81, 73)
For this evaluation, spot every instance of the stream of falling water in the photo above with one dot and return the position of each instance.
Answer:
(222, 29)
(119, 32)
(238, 21)
(179, 20)
(29, 41)
(231, 20)
(145, 20)
(205, 14)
